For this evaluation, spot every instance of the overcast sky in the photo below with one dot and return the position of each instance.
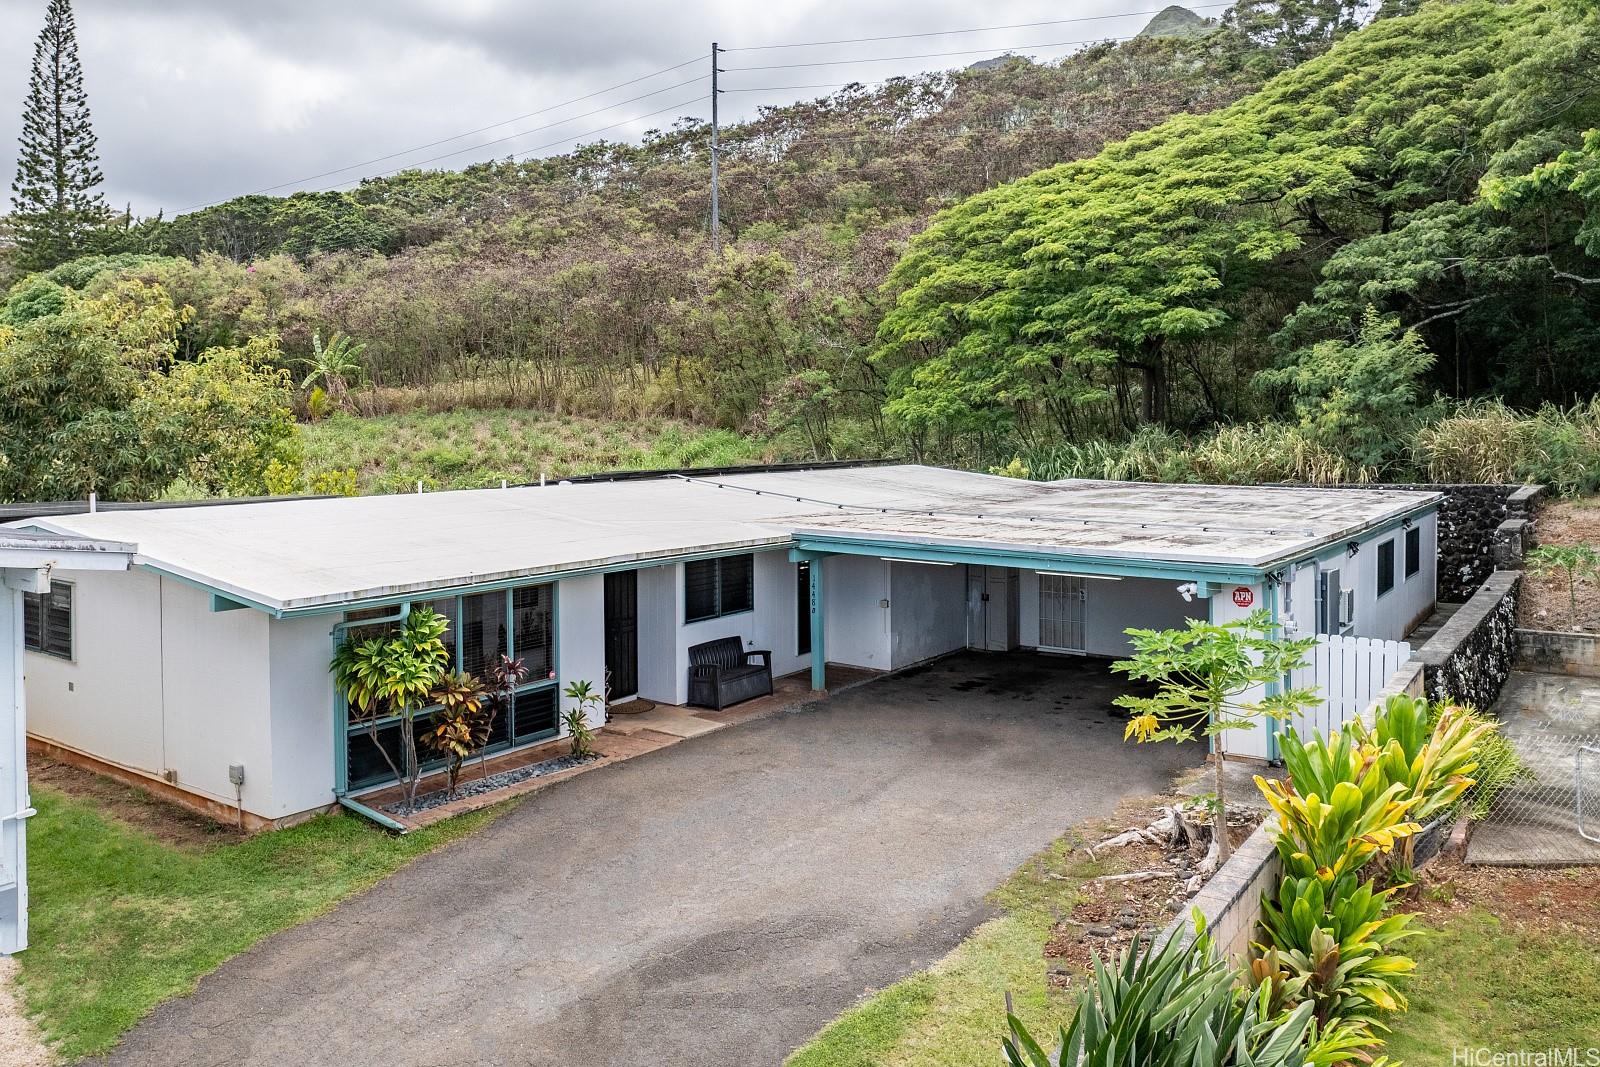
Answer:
(198, 100)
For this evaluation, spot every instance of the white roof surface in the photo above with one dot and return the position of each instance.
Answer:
(301, 554)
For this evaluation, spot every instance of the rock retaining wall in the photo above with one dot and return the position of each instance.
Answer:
(1470, 658)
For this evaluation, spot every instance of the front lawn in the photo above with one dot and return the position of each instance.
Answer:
(122, 920)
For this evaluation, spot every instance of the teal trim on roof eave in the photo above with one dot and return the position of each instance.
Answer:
(1033, 560)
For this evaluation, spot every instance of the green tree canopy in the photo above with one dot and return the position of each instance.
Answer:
(1081, 296)
(93, 400)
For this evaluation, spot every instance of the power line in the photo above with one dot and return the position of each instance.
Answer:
(974, 29)
(535, 129)
(535, 148)
(996, 50)
(468, 133)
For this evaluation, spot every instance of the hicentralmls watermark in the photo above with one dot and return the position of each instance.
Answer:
(1525, 1057)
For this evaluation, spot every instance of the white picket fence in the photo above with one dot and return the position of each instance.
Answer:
(1347, 672)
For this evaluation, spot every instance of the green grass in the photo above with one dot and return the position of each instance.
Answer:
(953, 1014)
(472, 449)
(121, 921)
(1485, 982)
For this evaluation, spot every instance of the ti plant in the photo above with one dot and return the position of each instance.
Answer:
(1170, 1004)
(505, 675)
(576, 718)
(391, 676)
(1336, 810)
(1336, 942)
(1575, 564)
(460, 727)
(1206, 674)
(1429, 749)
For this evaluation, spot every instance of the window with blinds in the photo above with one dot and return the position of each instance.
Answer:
(713, 588)
(47, 621)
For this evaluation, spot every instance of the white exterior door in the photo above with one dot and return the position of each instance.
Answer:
(1063, 606)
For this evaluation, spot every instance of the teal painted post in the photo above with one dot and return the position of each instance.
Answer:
(1269, 593)
(819, 656)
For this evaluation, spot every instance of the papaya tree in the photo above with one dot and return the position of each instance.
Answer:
(1208, 676)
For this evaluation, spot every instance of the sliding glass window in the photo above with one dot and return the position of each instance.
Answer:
(483, 626)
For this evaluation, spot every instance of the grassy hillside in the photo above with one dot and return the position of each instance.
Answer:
(471, 449)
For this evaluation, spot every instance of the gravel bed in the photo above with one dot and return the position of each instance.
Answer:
(492, 782)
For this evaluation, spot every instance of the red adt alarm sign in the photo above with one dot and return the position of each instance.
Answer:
(1244, 596)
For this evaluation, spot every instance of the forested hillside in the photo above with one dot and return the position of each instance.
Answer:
(1230, 254)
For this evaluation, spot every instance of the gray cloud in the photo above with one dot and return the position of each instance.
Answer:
(198, 100)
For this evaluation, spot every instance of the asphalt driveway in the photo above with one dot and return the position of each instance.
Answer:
(712, 903)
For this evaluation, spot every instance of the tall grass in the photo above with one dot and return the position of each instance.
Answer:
(1482, 441)
(1236, 455)
(1486, 441)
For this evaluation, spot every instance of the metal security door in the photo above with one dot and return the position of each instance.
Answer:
(622, 634)
(1063, 608)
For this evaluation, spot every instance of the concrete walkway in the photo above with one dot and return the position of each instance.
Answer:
(714, 902)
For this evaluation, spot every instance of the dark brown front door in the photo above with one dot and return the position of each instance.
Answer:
(622, 634)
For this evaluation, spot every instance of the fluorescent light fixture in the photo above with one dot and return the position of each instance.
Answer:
(1075, 574)
(923, 562)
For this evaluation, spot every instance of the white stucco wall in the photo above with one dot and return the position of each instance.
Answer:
(580, 624)
(302, 723)
(216, 682)
(1111, 608)
(1389, 617)
(160, 682)
(107, 700)
(927, 612)
(660, 589)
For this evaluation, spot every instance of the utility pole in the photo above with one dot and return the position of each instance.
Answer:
(716, 207)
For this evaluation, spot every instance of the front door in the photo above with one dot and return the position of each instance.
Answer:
(1063, 603)
(622, 634)
(802, 614)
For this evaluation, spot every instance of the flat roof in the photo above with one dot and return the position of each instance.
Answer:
(310, 554)
(1252, 527)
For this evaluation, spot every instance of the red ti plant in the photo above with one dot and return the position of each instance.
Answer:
(503, 676)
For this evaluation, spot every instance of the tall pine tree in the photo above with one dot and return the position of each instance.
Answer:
(54, 203)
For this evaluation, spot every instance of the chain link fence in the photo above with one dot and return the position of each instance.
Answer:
(1537, 801)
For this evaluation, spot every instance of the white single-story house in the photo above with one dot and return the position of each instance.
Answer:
(207, 663)
(29, 566)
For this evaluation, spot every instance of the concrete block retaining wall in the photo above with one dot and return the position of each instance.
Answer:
(1559, 652)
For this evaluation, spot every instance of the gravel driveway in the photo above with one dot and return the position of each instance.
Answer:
(711, 903)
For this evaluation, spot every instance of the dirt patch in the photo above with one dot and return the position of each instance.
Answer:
(1113, 911)
(1547, 899)
(132, 806)
(1545, 603)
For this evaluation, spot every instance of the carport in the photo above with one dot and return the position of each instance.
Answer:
(1070, 566)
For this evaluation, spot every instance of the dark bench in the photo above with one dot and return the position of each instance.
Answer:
(721, 674)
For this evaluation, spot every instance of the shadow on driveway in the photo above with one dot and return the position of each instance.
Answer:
(712, 903)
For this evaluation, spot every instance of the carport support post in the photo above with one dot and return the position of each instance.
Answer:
(819, 655)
